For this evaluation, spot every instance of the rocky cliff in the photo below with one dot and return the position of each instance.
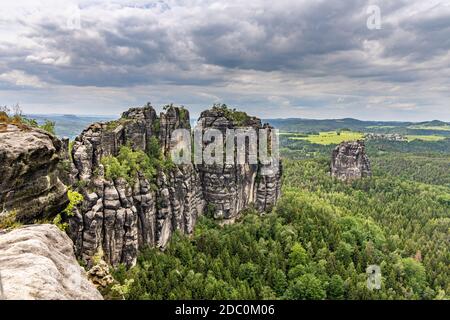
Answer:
(230, 188)
(37, 263)
(30, 187)
(349, 161)
(122, 215)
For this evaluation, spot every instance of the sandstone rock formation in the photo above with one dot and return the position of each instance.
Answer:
(349, 161)
(30, 185)
(37, 263)
(121, 217)
(230, 188)
(100, 275)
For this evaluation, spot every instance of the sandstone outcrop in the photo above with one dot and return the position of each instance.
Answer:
(30, 185)
(350, 162)
(37, 263)
(230, 188)
(100, 275)
(120, 217)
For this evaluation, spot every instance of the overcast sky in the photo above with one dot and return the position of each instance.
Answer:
(274, 59)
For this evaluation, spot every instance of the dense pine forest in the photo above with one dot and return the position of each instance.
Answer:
(319, 239)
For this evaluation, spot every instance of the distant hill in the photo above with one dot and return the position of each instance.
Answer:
(434, 123)
(69, 125)
(314, 126)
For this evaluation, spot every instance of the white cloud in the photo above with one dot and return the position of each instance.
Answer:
(21, 79)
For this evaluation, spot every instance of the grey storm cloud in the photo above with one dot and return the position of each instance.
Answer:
(290, 52)
(282, 39)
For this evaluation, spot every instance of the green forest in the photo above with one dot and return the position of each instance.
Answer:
(320, 238)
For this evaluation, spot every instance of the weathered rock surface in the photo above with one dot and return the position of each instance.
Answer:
(349, 161)
(30, 184)
(37, 263)
(120, 218)
(230, 188)
(100, 275)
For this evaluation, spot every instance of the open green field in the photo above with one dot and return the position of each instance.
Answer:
(330, 137)
(430, 138)
(434, 128)
(381, 127)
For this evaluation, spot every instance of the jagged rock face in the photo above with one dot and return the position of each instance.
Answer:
(30, 184)
(37, 263)
(122, 218)
(174, 118)
(268, 189)
(230, 188)
(350, 162)
(67, 171)
(104, 139)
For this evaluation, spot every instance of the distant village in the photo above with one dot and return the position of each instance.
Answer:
(385, 136)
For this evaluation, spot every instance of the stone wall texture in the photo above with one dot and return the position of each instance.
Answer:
(122, 218)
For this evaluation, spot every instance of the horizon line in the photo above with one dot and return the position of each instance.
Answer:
(288, 118)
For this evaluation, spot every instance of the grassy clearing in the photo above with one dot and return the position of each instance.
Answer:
(381, 127)
(433, 128)
(331, 137)
(431, 138)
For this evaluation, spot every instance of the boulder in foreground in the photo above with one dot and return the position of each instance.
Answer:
(30, 186)
(37, 263)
